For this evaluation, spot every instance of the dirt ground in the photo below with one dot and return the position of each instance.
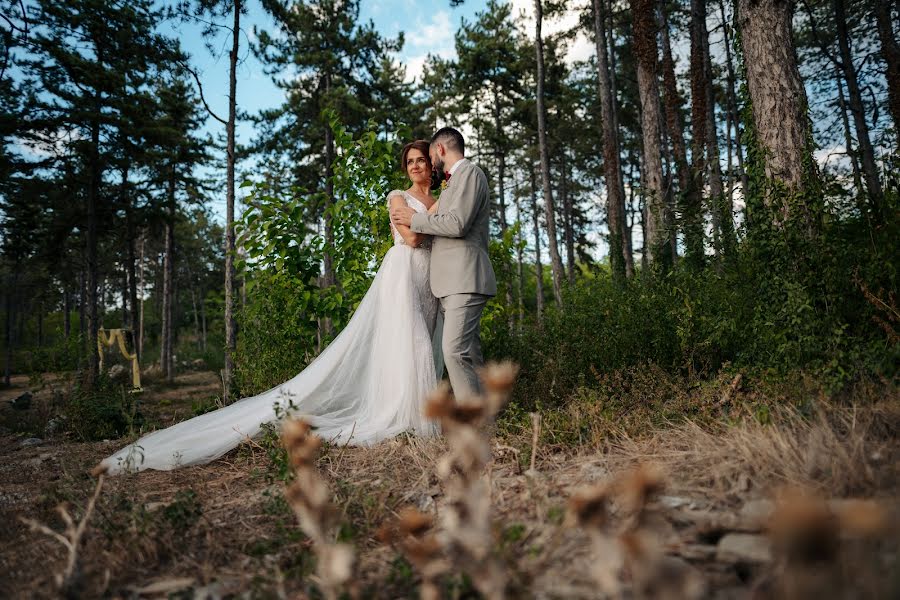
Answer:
(225, 530)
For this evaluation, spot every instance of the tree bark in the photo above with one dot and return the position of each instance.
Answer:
(612, 167)
(780, 108)
(230, 326)
(130, 270)
(93, 198)
(695, 252)
(675, 127)
(82, 305)
(568, 224)
(723, 222)
(848, 141)
(538, 266)
(864, 144)
(139, 342)
(550, 212)
(645, 51)
(328, 276)
(520, 260)
(168, 328)
(890, 52)
(732, 107)
(67, 313)
(10, 302)
(203, 318)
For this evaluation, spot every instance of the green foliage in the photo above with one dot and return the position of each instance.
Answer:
(104, 411)
(184, 510)
(787, 301)
(285, 301)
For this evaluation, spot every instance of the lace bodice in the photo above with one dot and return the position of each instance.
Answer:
(416, 205)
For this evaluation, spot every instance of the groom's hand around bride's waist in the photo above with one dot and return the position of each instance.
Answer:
(402, 215)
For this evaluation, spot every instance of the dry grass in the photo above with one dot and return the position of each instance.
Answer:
(236, 534)
(840, 451)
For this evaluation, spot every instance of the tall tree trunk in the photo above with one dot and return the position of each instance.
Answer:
(732, 105)
(196, 317)
(780, 108)
(890, 52)
(645, 51)
(867, 153)
(848, 141)
(612, 167)
(520, 260)
(230, 326)
(10, 317)
(695, 253)
(139, 342)
(67, 313)
(723, 221)
(675, 128)
(82, 305)
(93, 198)
(168, 328)
(40, 324)
(538, 265)
(130, 269)
(568, 220)
(328, 276)
(203, 318)
(630, 211)
(550, 212)
(501, 199)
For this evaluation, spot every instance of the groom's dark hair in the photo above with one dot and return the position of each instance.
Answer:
(450, 138)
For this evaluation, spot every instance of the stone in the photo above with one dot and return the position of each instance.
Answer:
(22, 401)
(165, 586)
(737, 548)
(695, 552)
(118, 372)
(755, 514)
(27, 442)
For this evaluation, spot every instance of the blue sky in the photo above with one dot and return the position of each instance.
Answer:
(428, 29)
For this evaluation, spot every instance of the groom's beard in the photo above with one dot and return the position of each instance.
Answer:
(439, 165)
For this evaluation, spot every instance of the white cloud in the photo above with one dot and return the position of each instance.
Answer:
(432, 37)
(414, 67)
(580, 49)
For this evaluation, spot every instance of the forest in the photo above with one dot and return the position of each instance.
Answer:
(695, 232)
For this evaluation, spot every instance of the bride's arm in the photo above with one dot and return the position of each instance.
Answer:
(434, 208)
(410, 237)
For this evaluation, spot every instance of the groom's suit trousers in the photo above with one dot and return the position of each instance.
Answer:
(461, 342)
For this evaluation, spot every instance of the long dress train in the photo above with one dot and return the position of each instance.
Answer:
(369, 384)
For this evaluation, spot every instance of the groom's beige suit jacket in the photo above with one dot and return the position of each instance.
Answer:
(460, 263)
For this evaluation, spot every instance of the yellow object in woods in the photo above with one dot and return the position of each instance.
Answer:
(108, 338)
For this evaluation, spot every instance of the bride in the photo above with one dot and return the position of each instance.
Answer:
(367, 385)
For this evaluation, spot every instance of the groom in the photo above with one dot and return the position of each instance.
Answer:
(461, 274)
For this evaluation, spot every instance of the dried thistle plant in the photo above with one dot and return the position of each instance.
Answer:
(413, 534)
(814, 546)
(466, 520)
(69, 581)
(310, 498)
(631, 542)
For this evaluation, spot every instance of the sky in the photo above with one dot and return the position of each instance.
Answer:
(425, 32)
(428, 27)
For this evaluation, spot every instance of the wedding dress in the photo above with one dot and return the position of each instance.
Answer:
(368, 385)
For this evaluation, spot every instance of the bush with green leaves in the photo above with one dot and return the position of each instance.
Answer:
(279, 324)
